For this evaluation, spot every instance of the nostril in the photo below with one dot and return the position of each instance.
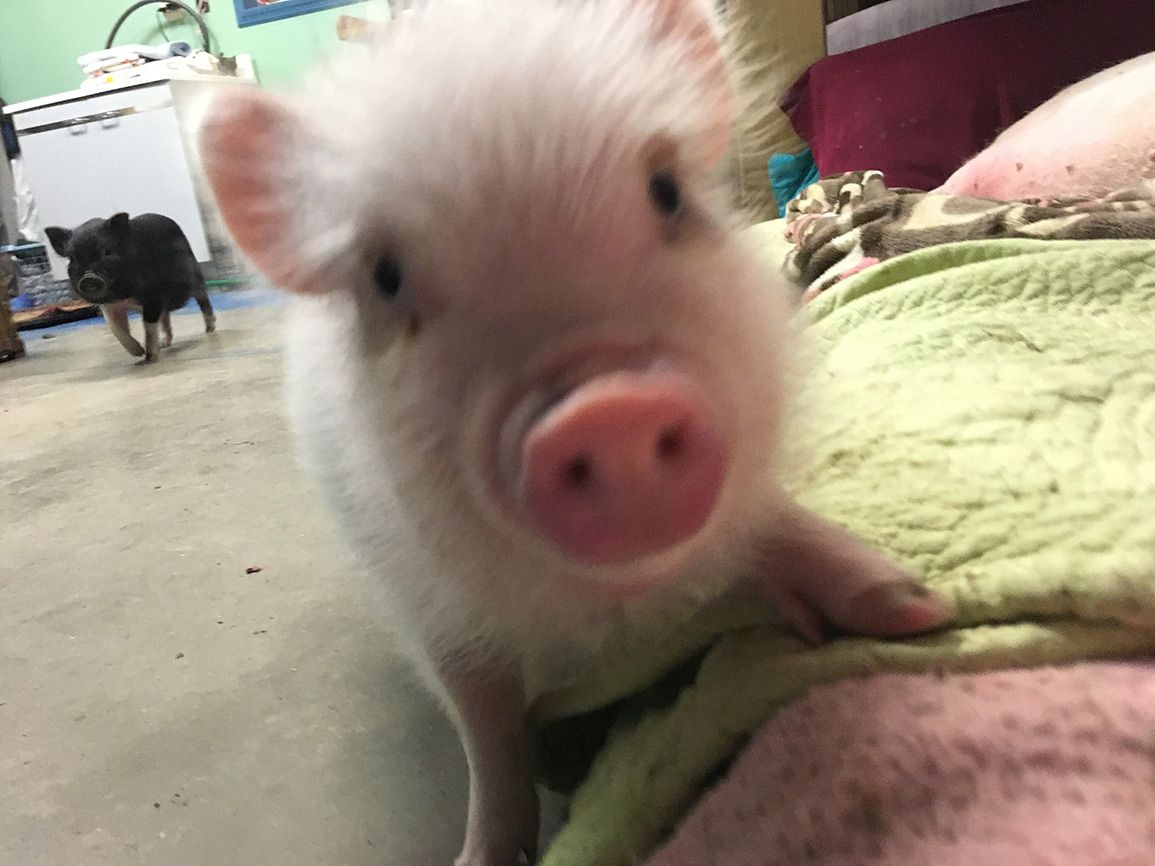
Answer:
(579, 472)
(672, 443)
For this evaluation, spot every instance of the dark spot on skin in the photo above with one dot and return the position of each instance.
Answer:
(868, 815)
(1070, 169)
(1044, 759)
(1075, 797)
(959, 801)
(1087, 736)
(1018, 166)
(924, 708)
(1135, 745)
(977, 756)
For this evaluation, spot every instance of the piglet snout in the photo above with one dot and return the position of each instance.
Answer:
(626, 466)
(92, 286)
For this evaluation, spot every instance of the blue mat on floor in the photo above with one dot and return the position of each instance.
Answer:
(238, 299)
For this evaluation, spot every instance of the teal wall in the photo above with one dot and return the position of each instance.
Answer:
(41, 39)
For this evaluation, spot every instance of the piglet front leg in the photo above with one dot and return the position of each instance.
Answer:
(818, 574)
(489, 709)
(117, 317)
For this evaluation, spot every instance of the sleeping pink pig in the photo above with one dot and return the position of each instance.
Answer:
(1093, 138)
(535, 368)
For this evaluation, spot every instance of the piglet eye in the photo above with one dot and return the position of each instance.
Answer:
(665, 193)
(108, 251)
(387, 277)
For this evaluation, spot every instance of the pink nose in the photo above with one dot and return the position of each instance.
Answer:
(626, 466)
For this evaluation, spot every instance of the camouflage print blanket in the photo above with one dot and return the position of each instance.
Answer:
(844, 224)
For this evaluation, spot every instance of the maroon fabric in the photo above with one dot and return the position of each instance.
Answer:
(919, 106)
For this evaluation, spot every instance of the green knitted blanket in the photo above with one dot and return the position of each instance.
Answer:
(983, 411)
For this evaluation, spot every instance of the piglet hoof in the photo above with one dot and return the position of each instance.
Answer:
(135, 349)
(819, 575)
(499, 843)
(901, 607)
(496, 852)
(151, 357)
(470, 857)
(165, 342)
(210, 324)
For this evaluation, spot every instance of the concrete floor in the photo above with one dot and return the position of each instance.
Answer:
(157, 704)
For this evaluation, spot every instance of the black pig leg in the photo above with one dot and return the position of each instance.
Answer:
(117, 317)
(152, 313)
(202, 299)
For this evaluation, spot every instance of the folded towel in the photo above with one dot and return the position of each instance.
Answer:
(842, 223)
(122, 53)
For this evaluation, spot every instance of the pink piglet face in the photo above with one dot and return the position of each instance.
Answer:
(553, 323)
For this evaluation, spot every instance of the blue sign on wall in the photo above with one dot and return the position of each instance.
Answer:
(251, 12)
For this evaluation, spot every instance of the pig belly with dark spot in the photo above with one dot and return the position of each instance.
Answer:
(1094, 138)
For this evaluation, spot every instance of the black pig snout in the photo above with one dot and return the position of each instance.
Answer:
(92, 286)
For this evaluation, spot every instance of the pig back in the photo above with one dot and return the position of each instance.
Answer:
(161, 251)
(1094, 138)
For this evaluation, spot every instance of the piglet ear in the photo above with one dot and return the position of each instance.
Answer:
(690, 24)
(59, 238)
(118, 225)
(248, 144)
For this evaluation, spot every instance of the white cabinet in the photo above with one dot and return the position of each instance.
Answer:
(92, 154)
